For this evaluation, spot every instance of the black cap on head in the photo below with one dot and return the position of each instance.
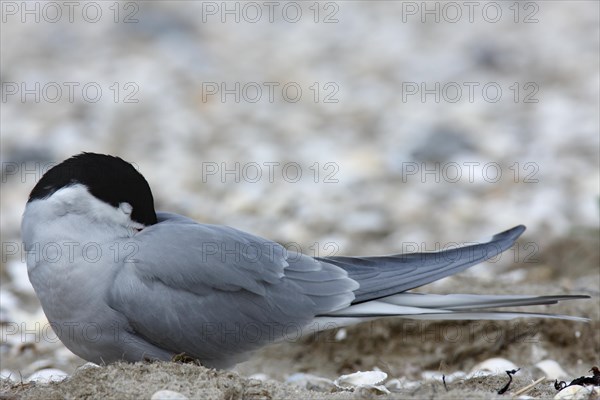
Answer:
(108, 178)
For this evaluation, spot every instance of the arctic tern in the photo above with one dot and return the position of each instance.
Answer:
(119, 281)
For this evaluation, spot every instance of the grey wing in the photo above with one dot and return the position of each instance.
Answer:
(214, 292)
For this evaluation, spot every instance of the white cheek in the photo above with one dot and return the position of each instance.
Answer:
(126, 208)
(133, 227)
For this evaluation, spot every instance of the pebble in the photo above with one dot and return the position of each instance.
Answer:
(9, 303)
(167, 395)
(341, 334)
(37, 366)
(492, 366)
(86, 366)
(398, 384)
(47, 375)
(260, 376)
(8, 374)
(577, 392)
(363, 381)
(17, 272)
(551, 369)
(366, 390)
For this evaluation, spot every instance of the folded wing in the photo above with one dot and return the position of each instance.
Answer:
(215, 293)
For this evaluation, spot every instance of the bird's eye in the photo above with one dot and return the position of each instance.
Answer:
(134, 230)
(136, 227)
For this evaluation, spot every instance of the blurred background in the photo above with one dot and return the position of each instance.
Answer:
(339, 127)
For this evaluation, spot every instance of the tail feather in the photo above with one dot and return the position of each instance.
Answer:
(384, 281)
(444, 307)
(388, 275)
(331, 322)
(457, 302)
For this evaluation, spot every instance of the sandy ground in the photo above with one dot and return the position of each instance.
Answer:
(123, 381)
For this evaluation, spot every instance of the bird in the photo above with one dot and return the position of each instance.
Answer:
(119, 281)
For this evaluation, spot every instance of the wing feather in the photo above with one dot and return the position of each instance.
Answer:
(215, 293)
(383, 276)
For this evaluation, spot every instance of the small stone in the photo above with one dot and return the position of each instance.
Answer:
(577, 392)
(48, 375)
(167, 395)
(366, 390)
(86, 366)
(37, 366)
(341, 334)
(492, 366)
(551, 369)
(363, 382)
(260, 376)
(360, 378)
(8, 374)
(396, 385)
